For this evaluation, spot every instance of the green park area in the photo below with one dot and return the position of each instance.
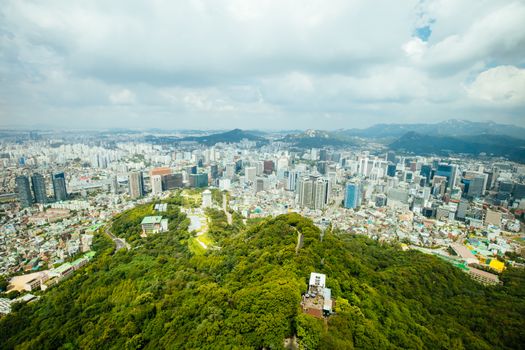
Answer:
(166, 293)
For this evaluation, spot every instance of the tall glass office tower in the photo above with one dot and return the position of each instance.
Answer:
(352, 196)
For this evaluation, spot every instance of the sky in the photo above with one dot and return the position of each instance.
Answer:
(266, 64)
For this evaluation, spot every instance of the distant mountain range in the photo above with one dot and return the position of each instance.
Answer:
(448, 137)
(492, 145)
(318, 139)
(232, 136)
(452, 127)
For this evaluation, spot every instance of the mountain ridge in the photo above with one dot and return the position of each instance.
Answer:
(492, 145)
(450, 127)
(232, 136)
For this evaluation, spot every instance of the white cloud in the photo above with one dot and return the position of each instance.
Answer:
(500, 85)
(286, 60)
(122, 97)
(497, 34)
(415, 48)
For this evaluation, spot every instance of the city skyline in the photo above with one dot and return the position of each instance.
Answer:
(274, 65)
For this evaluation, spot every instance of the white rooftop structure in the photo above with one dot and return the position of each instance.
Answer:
(317, 280)
(206, 199)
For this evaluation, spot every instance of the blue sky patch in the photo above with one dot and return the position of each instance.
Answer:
(423, 33)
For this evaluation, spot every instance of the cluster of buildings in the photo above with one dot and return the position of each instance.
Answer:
(32, 189)
(317, 301)
(422, 201)
(44, 279)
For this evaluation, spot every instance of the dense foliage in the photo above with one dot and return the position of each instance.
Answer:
(246, 294)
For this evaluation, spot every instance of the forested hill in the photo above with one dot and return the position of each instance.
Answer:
(245, 294)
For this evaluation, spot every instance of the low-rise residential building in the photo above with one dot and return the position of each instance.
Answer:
(153, 224)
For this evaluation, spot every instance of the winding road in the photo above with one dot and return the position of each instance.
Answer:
(119, 242)
(224, 207)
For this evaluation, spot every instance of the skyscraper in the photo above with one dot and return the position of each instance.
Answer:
(323, 155)
(352, 196)
(136, 184)
(59, 187)
(214, 171)
(229, 171)
(474, 185)
(268, 166)
(259, 184)
(39, 188)
(250, 172)
(305, 188)
(391, 170)
(172, 181)
(449, 171)
(156, 184)
(292, 180)
(320, 193)
(391, 157)
(191, 169)
(113, 184)
(313, 192)
(425, 171)
(199, 180)
(519, 191)
(322, 167)
(24, 191)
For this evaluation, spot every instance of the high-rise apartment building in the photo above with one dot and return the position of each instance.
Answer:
(39, 188)
(259, 184)
(313, 192)
(113, 184)
(291, 183)
(282, 163)
(250, 173)
(321, 193)
(305, 188)
(156, 184)
(59, 187)
(136, 184)
(24, 191)
(229, 171)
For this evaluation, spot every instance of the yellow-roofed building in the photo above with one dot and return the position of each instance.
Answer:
(497, 265)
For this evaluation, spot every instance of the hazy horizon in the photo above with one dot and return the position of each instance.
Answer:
(259, 65)
(44, 128)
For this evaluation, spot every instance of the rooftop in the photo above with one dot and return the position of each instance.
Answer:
(151, 220)
(317, 279)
